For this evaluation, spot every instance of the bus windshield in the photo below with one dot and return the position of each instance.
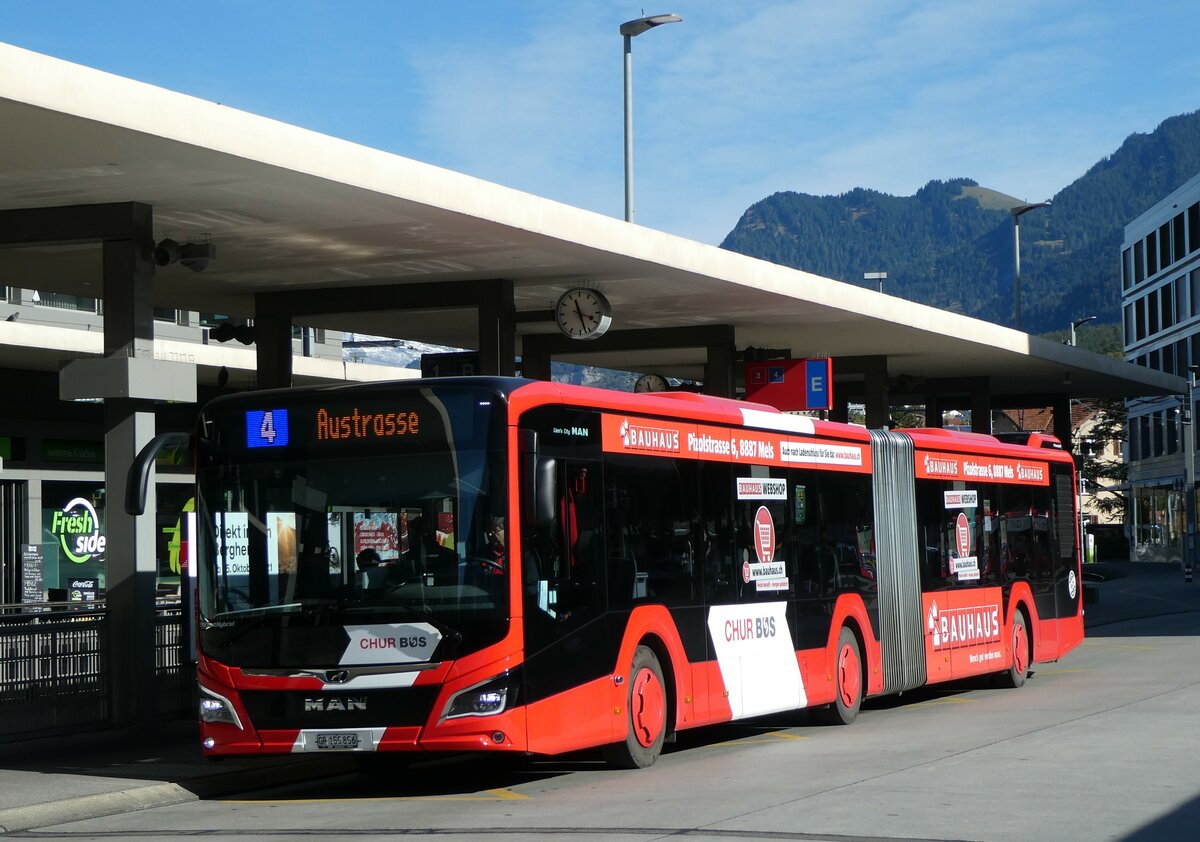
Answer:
(328, 513)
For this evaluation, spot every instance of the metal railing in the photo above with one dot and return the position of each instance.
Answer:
(54, 668)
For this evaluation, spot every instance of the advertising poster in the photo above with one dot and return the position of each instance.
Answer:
(233, 544)
(281, 542)
(377, 531)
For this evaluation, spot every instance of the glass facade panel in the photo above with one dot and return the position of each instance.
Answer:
(1158, 521)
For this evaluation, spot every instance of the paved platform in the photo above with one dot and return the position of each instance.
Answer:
(51, 781)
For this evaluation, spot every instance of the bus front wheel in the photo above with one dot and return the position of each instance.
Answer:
(1016, 674)
(646, 710)
(848, 678)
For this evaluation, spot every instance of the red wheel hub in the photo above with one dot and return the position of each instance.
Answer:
(1020, 647)
(849, 672)
(647, 707)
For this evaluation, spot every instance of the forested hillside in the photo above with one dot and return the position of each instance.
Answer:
(950, 244)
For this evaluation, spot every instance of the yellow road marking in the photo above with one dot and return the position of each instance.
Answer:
(949, 700)
(486, 795)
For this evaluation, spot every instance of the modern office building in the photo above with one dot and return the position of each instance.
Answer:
(1160, 282)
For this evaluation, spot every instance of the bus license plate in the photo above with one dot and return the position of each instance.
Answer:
(337, 742)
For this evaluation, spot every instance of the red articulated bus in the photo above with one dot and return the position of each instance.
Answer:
(497, 564)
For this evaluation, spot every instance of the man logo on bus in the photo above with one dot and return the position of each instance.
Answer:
(77, 528)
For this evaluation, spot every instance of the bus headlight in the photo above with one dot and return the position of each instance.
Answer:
(216, 708)
(487, 698)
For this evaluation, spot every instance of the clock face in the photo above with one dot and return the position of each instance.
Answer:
(651, 383)
(583, 313)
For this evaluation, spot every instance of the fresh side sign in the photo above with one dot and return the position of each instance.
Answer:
(77, 528)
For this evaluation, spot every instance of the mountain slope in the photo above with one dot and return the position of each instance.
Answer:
(950, 244)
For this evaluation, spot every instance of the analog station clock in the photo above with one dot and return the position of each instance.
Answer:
(651, 383)
(583, 313)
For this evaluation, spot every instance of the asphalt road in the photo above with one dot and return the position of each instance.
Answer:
(1103, 745)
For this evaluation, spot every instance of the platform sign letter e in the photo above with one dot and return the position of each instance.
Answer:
(818, 386)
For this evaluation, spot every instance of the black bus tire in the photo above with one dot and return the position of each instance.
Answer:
(848, 680)
(1022, 653)
(646, 709)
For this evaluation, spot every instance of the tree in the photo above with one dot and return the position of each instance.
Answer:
(1101, 468)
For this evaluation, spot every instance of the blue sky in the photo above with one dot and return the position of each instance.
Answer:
(739, 101)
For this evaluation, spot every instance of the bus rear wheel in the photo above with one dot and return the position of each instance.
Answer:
(646, 709)
(848, 678)
(1016, 674)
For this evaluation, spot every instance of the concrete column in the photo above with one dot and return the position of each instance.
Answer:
(132, 569)
(876, 395)
(128, 283)
(933, 411)
(718, 369)
(1062, 419)
(273, 343)
(981, 409)
(497, 330)
(841, 407)
(535, 366)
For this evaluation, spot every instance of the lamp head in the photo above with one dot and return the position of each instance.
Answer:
(637, 27)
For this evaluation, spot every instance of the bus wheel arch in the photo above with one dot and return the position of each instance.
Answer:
(849, 672)
(649, 708)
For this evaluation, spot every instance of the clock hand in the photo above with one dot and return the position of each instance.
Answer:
(579, 312)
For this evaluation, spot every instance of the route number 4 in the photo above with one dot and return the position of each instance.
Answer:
(267, 431)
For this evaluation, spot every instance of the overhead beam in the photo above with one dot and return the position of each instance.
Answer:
(71, 224)
(537, 350)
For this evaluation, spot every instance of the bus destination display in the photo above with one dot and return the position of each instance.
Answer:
(273, 427)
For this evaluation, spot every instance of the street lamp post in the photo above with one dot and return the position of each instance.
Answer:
(629, 30)
(876, 276)
(1016, 215)
(1075, 326)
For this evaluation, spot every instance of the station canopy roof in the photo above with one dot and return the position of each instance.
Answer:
(290, 210)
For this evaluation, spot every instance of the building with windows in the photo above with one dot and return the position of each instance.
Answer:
(1160, 283)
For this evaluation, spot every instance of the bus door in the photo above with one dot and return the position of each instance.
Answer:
(570, 649)
(754, 642)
